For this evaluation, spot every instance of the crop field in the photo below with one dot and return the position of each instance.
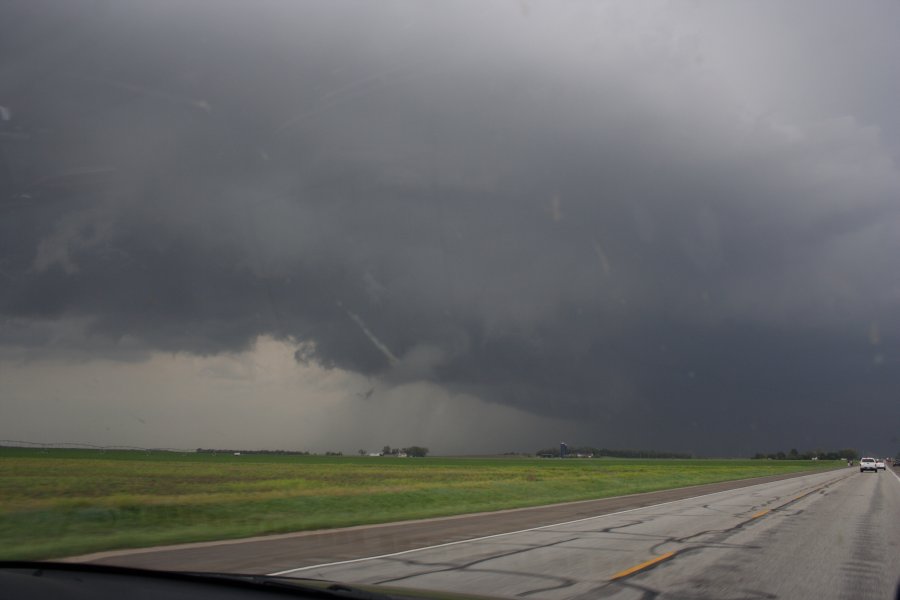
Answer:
(56, 503)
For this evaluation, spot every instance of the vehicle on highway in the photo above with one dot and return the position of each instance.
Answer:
(879, 464)
(868, 464)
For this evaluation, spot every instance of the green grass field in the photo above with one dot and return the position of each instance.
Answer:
(55, 503)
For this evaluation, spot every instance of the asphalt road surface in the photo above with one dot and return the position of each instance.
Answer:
(817, 535)
(272, 553)
(825, 535)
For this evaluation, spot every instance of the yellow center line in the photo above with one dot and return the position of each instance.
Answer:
(800, 497)
(642, 566)
(668, 555)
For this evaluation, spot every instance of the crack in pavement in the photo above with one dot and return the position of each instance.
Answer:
(716, 540)
(622, 534)
(865, 543)
(468, 566)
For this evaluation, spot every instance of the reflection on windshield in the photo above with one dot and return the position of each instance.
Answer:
(474, 228)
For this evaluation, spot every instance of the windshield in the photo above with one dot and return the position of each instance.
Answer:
(282, 267)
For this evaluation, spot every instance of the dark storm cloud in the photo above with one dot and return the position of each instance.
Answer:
(541, 208)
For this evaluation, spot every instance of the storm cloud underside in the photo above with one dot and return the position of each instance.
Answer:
(592, 212)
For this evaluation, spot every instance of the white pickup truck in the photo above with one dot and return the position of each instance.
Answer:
(868, 464)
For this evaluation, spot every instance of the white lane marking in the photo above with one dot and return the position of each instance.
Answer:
(894, 473)
(497, 535)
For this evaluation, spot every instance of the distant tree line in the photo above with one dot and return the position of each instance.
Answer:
(589, 451)
(792, 454)
(279, 452)
(413, 451)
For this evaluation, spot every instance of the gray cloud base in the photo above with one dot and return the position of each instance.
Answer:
(590, 225)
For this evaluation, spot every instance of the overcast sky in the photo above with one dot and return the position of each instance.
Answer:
(475, 226)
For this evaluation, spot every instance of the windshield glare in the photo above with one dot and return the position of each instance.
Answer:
(252, 252)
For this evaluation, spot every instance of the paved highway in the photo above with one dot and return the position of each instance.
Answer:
(282, 552)
(821, 535)
(824, 535)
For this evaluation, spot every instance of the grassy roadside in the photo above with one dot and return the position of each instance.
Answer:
(63, 502)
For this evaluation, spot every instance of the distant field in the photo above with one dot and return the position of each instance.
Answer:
(62, 502)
